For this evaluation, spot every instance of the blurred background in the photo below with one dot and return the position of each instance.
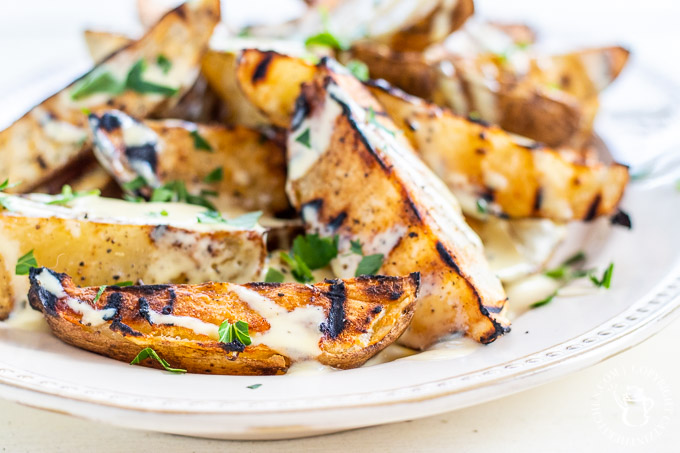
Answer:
(43, 49)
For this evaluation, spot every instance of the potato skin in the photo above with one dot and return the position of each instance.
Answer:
(518, 178)
(380, 305)
(337, 195)
(32, 152)
(99, 253)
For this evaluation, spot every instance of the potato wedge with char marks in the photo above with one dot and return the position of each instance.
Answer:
(338, 323)
(244, 168)
(101, 44)
(551, 99)
(511, 176)
(103, 241)
(54, 133)
(351, 174)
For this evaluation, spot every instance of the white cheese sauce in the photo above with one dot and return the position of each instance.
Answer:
(295, 334)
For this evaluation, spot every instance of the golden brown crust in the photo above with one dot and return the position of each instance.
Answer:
(382, 306)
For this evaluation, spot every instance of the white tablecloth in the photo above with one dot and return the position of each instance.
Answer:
(560, 416)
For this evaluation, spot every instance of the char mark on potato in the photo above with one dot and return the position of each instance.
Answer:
(592, 210)
(144, 153)
(260, 72)
(446, 257)
(335, 323)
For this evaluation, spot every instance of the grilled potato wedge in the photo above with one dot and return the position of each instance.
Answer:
(260, 76)
(199, 104)
(83, 174)
(404, 25)
(54, 133)
(549, 99)
(245, 169)
(101, 44)
(495, 172)
(103, 241)
(352, 175)
(338, 323)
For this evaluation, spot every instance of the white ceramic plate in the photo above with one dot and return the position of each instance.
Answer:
(38, 370)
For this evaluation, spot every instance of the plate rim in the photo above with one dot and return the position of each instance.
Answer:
(634, 324)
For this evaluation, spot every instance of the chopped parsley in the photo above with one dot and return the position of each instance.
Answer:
(237, 331)
(298, 268)
(326, 39)
(254, 386)
(214, 176)
(245, 221)
(163, 213)
(6, 185)
(369, 265)
(606, 280)
(132, 199)
(68, 195)
(135, 184)
(25, 263)
(134, 82)
(99, 294)
(176, 191)
(358, 69)
(200, 143)
(274, 276)
(545, 301)
(570, 270)
(148, 353)
(96, 82)
(482, 206)
(125, 283)
(164, 63)
(304, 138)
(355, 247)
(104, 82)
(315, 251)
(374, 121)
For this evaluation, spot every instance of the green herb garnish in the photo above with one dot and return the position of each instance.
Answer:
(125, 283)
(304, 138)
(298, 268)
(358, 69)
(369, 265)
(25, 263)
(482, 206)
(164, 63)
(566, 269)
(606, 280)
(245, 221)
(99, 294)
(355, 247)
(326, 39)
(200, 143)
(148, 353)
(214, 176)
(545, 301)
(374, 121)
(6, 185)
(238, 331)
(134, 82)
(96, 82)
(135, 184)
(68, 195)
(315, 251)
(254, 386)
(176, 191)
(274, 276)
